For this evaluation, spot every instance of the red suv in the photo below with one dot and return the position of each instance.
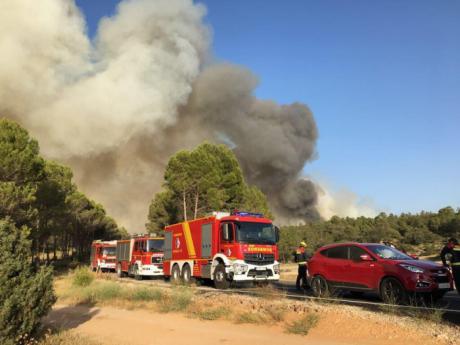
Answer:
(371, 267)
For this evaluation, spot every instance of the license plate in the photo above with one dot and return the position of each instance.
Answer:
(261, 269)
(444, 286)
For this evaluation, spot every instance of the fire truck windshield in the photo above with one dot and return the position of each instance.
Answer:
(108, 251)
(155, 245)
(255, 233)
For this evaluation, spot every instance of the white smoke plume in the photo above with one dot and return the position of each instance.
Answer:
(343, 203)
(117, 107)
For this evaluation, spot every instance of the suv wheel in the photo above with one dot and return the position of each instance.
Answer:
(392, 291)
(320, 287)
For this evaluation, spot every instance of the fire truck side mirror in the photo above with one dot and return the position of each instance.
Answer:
(277, 234)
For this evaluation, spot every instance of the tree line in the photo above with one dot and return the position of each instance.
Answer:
(40, 195)
(425, 231)
(209, 178)
(197, 182)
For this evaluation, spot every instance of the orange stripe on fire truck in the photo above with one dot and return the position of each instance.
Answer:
(188, 239)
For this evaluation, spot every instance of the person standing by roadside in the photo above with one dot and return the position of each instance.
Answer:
(455, 261)
(301, 257)
(447, 251)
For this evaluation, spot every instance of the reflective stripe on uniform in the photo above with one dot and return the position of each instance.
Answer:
(456, 264)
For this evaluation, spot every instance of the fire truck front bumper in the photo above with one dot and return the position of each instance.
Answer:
(107, 265)
(241, 271)
(151, 270)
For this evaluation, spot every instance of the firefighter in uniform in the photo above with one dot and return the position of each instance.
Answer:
(456, 265)
(301, 258)
(446, 251)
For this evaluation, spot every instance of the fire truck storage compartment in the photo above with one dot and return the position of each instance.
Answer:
(123, 251)
(206, 240)
(206, 249)
(168, 246)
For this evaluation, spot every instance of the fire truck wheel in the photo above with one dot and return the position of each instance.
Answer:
(220, 277)
(137, 276)
(186, 274)
(175, 274)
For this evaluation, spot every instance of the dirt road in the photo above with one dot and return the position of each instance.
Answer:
(114, 326)
(125, 327)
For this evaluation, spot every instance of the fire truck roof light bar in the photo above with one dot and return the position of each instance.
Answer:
(247, 214)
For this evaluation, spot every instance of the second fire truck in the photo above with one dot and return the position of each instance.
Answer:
(103, 255)
(141, 256)
(239, 247)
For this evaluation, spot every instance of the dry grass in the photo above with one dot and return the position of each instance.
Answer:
(214, 313)
(105, 291)
(304, 325)
(179, 300)
(213, 306)
(251, 317)
(276, 312)
(66, 338)
(269, 292)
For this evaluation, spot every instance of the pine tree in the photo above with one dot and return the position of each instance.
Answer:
(26, 291)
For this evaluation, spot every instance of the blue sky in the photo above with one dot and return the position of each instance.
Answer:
(381, 77)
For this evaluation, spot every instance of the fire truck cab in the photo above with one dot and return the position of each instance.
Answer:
(224, 247)
(141, 256)
(103, 255)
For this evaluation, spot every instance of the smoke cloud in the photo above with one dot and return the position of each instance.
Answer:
(343, 203)
(117, 107)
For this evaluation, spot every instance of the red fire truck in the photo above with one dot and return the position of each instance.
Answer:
(103, 255)
(141, 256)
(224, 247)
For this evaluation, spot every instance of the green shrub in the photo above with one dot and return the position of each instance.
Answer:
(304, 325)
(82, 277)
(146, 294)
(26, 291)
(107, 291)
(179, 300)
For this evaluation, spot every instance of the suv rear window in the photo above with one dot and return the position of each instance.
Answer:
(336, 252)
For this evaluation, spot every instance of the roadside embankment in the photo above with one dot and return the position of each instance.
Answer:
(106, 311)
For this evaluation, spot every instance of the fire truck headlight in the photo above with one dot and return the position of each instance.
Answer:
(276, 268)
(240, 268)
